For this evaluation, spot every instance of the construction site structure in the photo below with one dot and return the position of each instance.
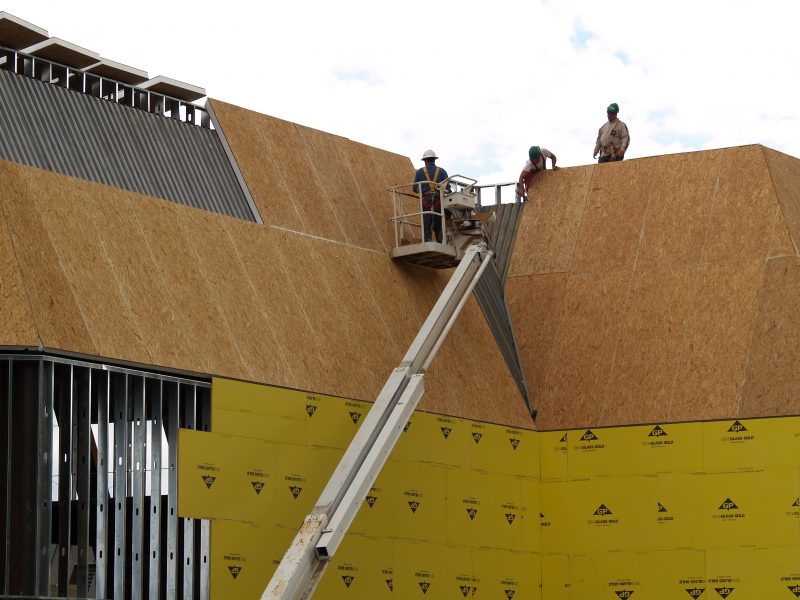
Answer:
(307, 558)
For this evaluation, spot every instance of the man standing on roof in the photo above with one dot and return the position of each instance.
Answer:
(425, 182)
(613, 138)
(537, 161)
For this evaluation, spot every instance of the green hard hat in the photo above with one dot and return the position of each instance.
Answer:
(613, 108)
(534, 152)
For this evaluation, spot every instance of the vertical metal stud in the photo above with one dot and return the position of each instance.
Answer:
(119, 401)
(204, 558)
(189, 402)
(156, 428)
(171, 425)
(63, 383)
(5, 467)
(82, 383)
(100, 384)
(44, 490)
(138, 469)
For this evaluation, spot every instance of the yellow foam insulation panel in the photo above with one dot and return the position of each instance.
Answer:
(652, 290)
(468, 509)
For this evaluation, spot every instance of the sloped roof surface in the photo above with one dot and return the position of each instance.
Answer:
(661, 289)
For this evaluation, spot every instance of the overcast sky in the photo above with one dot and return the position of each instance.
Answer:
(479, 82)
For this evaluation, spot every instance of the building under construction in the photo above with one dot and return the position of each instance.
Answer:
(199, 306)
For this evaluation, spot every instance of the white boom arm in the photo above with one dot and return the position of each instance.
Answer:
(305, 561)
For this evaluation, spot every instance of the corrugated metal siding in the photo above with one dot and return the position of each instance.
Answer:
(490, 290)
(491, 299)
(503, 233)
(75, 134)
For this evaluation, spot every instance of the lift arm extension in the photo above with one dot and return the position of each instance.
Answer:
(322, 531)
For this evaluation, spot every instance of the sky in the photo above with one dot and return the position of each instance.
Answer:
(478, 82)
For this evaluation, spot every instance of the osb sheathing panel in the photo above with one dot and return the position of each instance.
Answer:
(717, 343)
(743, 212)
(55, 311)
(551, 221)
(313, 182)
(16, 322)
(612, 221)
(579, 366)
(648, 349)
(773, 371)
(785, 172)
(692, 234)
(681, 195)
(84, 262)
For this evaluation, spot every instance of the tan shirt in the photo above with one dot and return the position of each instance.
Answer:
(613, 136)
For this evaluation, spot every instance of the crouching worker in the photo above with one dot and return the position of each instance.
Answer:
(537, 161)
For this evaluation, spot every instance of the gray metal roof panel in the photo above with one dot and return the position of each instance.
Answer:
(76, 134)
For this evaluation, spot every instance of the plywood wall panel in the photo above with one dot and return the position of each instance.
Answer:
(262, 258)
(683, 190)
(209, 340)
(16, 321)
(718, 339)
(53, 305)
(773, 369)
(534, 303)
(742, 217)
(782, 244)
(574, 387)
(649, 347)
(233, 292)
(307, 192)
(612, 220)
(138, 276)
(85, 264)
(784, 171)
(551, 221)
(250, 139)
(342, 197)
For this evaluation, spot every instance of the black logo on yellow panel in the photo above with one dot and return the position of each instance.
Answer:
(589, 436)
(413, 505)
(657, 431)
(737, 427)
(602, 511)
(796, 503)
(235, 570)
(514, 442)
(310, 410)
(354, 417)
(390, 583)
(724, 592)
(476, 436)
(446, 431)
(348, 580)
(510, 593)
(471, 512)
(695, 592)
(295, 490)
(424, 586)
(371, 500)
(257, 486)
(624, 593)
(795, 589)
(208, 480)
(563, 439)
(510, 518)
(728, 504)
(467, 590)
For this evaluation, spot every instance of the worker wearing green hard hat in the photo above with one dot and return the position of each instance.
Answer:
(613, 138)
(537, 161)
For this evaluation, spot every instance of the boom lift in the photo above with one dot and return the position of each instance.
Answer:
(323, 529)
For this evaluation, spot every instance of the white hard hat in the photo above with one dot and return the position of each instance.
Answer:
(429, 154)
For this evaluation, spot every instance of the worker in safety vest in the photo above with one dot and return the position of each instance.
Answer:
(425, 182)
(537, 161)
(612, 139)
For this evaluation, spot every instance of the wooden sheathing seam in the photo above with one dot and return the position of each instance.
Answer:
(795, 243)
(289, 194)
(362, 199)
(264, 314)
(692, 298)
(624, 312)
(581, 220)
(18, 269)
(753, 328)
(328, 240)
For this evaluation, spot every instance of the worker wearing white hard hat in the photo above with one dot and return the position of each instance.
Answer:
(426, 183)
